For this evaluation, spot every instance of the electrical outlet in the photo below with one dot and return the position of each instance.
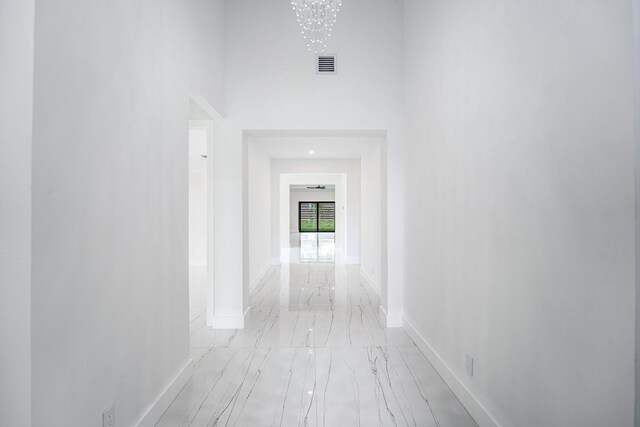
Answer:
(109, 416)
(469, 365)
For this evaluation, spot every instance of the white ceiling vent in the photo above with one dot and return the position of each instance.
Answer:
(326, 64)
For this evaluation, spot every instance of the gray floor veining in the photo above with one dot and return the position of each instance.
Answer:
(314, 353)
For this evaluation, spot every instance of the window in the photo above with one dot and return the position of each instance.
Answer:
(316, 217)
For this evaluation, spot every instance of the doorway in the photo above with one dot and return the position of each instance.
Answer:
(198, 225)
(324, 205)
(201, 232)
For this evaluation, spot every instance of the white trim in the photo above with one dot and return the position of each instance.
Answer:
(479, 413)
(352, 260)
(230, 321)
(198, 263)
(263, 271)
(275, 260)
(383, 314)
(370, 281)
(204, 104)
(164, 400)
(391, 320)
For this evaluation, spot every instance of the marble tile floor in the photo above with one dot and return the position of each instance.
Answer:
(314, 353)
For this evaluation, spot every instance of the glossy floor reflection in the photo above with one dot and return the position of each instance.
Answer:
(313, 247)
(313, 353)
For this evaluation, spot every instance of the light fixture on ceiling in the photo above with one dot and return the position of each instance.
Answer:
(312, 152)
(316, 19)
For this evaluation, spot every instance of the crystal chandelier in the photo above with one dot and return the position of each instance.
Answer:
(316, 18)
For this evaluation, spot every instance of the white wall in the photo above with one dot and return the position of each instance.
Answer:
(16, 109)
(206, 50)
(351, 168)
(259, 203)
(271, 79)
(520, 204)
(110, 208)
(297, 196)
(272, 84)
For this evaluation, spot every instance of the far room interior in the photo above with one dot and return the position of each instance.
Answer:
(312, 222)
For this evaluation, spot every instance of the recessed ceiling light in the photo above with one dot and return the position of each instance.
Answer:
(312, 152)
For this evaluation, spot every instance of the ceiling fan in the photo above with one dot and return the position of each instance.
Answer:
(318, 187)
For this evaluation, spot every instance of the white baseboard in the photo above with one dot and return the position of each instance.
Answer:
(393, 320)
(230, 321)
(164, 400)
(369, 280)
(259, 276)
(464, 395)
(352, 260)
(285, 255)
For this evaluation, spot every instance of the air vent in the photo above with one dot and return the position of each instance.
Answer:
(326, 64)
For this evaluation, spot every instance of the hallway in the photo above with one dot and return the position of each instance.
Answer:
(313, 353)
(432, 219)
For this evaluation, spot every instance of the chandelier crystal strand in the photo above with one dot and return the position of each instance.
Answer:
(316, 19)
